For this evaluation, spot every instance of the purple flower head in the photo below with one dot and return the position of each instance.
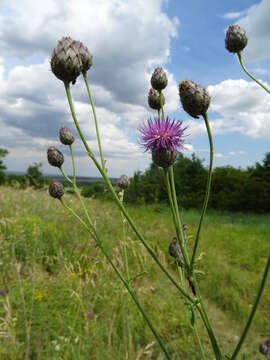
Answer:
(159, 135)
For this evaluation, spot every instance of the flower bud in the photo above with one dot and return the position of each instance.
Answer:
(154, 99)
(159, 79)
(66, 137)
(164, 157)
(86, 57)
(56, 190)
(123, 182)
(175, 252)
(55, 157)
(194, 98)
(236, 39)
(66, 62)
(263, 349)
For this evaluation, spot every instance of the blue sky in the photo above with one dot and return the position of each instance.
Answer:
(128, 39)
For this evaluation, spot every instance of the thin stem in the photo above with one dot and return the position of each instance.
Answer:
(95, 118)
(207, 192)
(125, 283)
(253, 310)
(179, 223)
(73, 164)
(250, 75)
(174, 214)
(161, 105)
(125, 239)
(118, 202)
(199, 341)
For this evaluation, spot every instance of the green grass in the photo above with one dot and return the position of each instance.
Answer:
(52, 275)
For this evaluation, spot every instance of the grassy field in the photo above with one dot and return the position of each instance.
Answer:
(59, 299)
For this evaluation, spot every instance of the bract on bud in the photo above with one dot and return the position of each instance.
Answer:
(123, 182)
(66, 137)
(194, 98)
(263, 349)
(55, 157)
(66, 63)
(175, 252)
(159, 79)
(236, 39)
(154, 99)
(86, 57)
(56, 190)
(163, 157)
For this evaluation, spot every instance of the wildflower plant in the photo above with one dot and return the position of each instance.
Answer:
(164, 138)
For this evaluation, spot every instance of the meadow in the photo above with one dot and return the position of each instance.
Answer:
(59, 298)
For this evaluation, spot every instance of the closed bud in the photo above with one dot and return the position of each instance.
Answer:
(236, 39)
(164, 157)
(154, 99)
(66, 137)
(123, 182)
(55, 157)
(56, 190)
(159, 79)
(86, 57)
(194, 98)
(175, 252)
(263, 349)
(66, 62)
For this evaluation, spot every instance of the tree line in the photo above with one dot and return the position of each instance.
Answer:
(233, 189)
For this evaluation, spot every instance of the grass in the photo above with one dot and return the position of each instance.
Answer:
(61, 300)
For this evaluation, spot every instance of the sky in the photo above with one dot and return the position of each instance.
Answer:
(128, 40)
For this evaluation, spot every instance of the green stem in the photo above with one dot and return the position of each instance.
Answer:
(249, 74)
(125, 240)
(207, 192)
(253, 310)
(73, 164)
(95, 118)
(125, 283)
(161, 105)
(199, 341)
(119, 204)
(175, 220)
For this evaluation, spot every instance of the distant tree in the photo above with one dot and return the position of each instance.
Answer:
(35, 176)
(3, 153)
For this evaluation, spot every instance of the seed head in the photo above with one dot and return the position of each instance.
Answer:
(55, 157)
(175, 252)
(236, 39)
(194, 98)
(86, 57)
(263, 349)
(159, 79)
(123, 182)
(66, 137)
(56, 190)
(154, 99)
(66, 63)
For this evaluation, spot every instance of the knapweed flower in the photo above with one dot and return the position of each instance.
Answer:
(159, 79)
(66, 63)
(154, 99)
(56, 190)
(194, 98)
(236, 39)
(55, 157)
(85, 56)
(66, 137)
(163, 138)
(123, 182)
(175, 252)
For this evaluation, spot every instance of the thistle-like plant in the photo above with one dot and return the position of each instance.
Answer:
(163, 137)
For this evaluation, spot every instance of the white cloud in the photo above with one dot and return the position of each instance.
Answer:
(127, 39)
(256, 23)
(233, 15)
(241, 106)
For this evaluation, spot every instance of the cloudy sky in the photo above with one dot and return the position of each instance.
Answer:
(128, 39)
